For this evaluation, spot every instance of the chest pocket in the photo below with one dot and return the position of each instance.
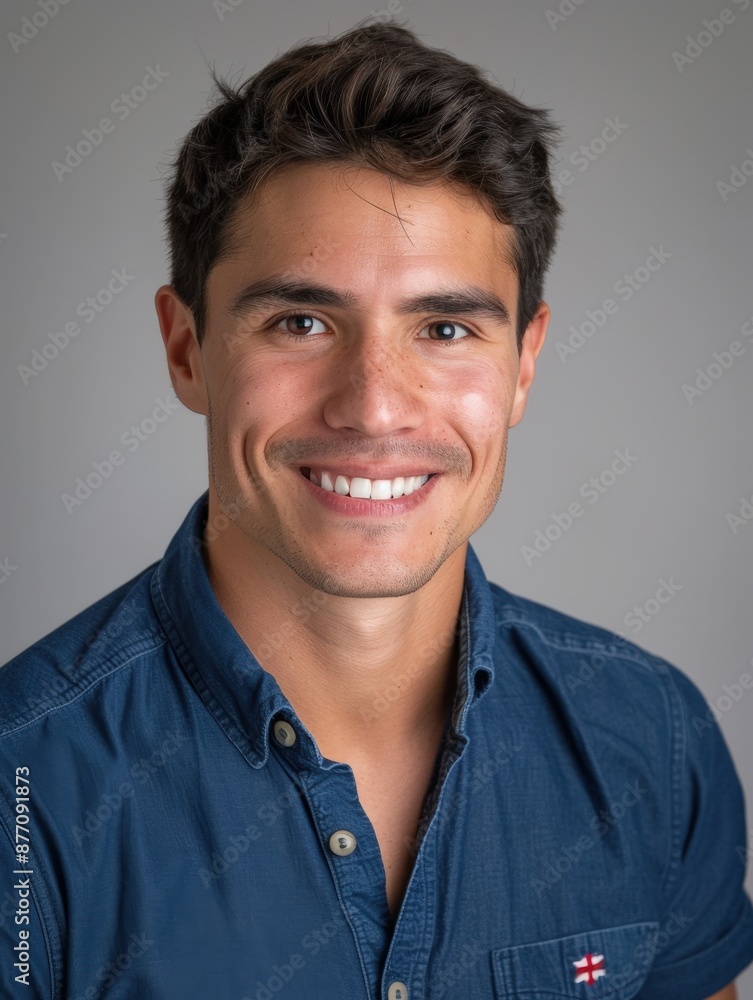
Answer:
(610, 962)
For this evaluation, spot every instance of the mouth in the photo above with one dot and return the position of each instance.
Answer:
(361, 488)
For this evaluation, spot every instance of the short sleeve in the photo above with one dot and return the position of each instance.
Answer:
(705, 936)
(24, 964)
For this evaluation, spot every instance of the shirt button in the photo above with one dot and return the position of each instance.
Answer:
(397, 991)
(343, 842)
(284, 733)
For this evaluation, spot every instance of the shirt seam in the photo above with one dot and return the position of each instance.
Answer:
(678, 763)
(102, 674)
(729, 953)
(634, 654)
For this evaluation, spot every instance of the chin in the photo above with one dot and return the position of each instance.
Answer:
(374, 576)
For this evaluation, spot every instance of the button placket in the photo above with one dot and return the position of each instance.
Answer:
(354, 860)
(331, 800)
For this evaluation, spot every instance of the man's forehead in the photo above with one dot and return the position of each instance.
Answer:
(349, 197)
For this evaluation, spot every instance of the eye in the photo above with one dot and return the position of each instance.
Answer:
(446, 329)
(299, 324)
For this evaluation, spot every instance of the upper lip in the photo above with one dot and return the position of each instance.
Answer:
(368, 471)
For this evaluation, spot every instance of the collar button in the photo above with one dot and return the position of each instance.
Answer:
(284, 733)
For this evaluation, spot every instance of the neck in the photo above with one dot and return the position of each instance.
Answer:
(368, 677)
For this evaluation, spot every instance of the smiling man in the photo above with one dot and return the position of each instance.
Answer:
(313, 752)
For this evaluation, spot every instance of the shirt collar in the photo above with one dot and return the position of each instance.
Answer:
(242, 695)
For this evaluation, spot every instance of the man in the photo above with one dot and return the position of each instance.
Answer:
(313, 752)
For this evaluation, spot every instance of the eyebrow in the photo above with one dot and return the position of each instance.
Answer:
(467, 300)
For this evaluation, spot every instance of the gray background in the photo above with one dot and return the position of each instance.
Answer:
(653, 186)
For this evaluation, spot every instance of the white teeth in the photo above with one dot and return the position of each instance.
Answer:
(381, 489)
(360, 488)
(369, 489)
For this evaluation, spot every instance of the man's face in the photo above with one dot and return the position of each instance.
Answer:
(365, 383)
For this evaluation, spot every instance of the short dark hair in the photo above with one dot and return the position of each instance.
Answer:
(373, 96)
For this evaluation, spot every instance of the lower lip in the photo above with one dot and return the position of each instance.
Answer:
(368, 508)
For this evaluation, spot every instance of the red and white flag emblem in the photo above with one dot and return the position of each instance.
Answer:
(589, 968)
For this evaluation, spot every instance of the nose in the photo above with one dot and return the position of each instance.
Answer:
(374, 387)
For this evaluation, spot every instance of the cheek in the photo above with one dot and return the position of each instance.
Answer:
(248, 382)
(248, 398)
(482, 402)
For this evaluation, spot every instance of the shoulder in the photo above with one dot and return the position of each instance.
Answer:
(601, 676)
(623, 718)
(94, 644)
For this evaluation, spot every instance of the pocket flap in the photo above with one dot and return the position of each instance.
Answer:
(608, 962)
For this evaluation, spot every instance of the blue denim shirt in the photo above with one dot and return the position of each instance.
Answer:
(170, 830)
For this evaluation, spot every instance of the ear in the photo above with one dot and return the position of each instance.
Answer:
(533, 341)
(182, 348)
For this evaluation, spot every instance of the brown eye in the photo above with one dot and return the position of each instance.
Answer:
(447, 330)
(297, 324)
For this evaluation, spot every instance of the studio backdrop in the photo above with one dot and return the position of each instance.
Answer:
(628, 495)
